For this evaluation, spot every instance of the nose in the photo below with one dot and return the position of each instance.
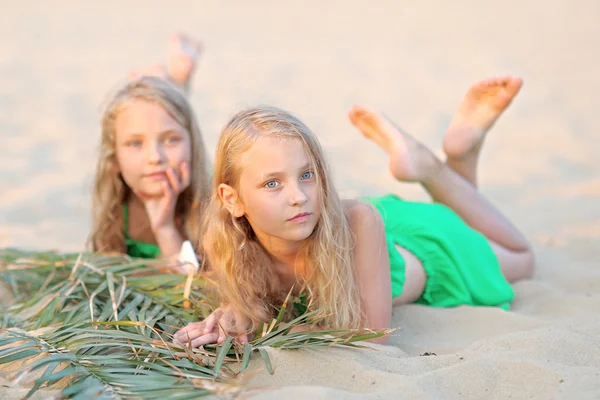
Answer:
(297, 195)
(155, 153)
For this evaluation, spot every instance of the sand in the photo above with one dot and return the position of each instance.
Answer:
(414, 61)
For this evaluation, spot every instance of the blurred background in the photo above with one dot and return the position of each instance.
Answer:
(413, 60)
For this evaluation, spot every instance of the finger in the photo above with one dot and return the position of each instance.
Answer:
(211, 321)
(222, 336)
(243, 338)
(185, 175)
(189, 336)
(173, 180)
(167, 190)
(190, 327)
(205, 339)
(167, 199)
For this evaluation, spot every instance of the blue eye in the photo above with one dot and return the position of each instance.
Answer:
(271, 184)
(134, 143)
(172, 139)
(308, 175)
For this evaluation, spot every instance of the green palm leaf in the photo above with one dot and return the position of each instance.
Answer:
(103, 326)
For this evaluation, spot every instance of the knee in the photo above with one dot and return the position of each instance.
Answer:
(528, 264)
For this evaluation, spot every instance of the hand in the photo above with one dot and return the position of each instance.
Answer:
(215, 328)
(176, 266)
(161, 209)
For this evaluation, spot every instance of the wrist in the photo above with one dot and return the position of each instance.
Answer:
(164, 229)
(169, 240)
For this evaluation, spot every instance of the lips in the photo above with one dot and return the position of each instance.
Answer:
(156, 175)
(300, 217)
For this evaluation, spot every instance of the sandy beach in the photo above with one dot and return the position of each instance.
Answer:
(412, 60)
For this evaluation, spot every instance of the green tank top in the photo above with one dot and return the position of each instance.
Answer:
(135, 248)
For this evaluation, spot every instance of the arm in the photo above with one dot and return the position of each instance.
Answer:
(161, 210)
(371, 265)
(215, 328)
(169, 239)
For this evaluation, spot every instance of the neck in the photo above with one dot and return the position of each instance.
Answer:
(139, 222)
(285, 253)
(134, 201)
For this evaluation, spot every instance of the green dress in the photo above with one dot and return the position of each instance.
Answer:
(460, 265)
(135, 248)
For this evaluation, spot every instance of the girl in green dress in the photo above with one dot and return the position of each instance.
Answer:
(277, 224)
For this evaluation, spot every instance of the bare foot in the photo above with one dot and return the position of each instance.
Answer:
(481, 106)
(410, 160)
(183, 55)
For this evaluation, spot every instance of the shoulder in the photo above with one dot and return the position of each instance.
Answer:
(362, 216)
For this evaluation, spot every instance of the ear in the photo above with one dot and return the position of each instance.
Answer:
(230, 198)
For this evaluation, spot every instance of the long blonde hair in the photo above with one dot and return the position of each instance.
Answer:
(246, 276)
(111, 191)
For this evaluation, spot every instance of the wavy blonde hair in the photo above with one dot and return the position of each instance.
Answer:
(246, 276)
(111, 191)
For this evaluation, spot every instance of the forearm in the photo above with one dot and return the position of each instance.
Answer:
(169, 240)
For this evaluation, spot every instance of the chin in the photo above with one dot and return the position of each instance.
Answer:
(151, 190)
(301, 234)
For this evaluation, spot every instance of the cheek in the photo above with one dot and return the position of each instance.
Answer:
(260, 208)
(179, 154)
(316, 194)
(186, 149)
(127, 163)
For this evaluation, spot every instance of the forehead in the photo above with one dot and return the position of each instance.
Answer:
(141, 116)
(272, 154)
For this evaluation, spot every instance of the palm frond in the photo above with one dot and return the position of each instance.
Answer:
(106, 363)
(102, 326)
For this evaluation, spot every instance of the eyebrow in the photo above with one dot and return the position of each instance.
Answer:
(162, 133)
(278, 173)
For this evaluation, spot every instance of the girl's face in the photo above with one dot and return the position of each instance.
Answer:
(278, 190)
(148, 142)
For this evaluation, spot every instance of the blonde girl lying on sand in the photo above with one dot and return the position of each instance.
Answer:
(277, 223)
(152, 178)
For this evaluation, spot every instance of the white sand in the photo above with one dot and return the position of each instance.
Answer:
(413, 60)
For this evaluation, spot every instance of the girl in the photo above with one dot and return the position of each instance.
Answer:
(277, 223)
(152, 177)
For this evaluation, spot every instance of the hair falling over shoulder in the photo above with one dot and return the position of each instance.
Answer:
(247, 278)
(110, 191)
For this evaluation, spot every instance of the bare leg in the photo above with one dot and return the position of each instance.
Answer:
(415, 278)
(157, 70)
(183, 57)
(411, 161)
(482, 105)
(181, 64)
